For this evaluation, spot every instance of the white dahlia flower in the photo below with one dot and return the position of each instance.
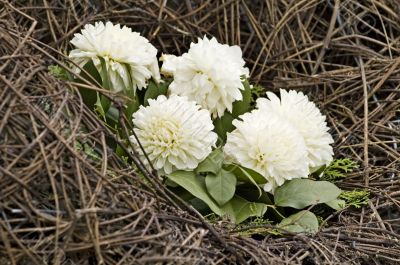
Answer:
(269, 145)
(210, 73)
(129, 58)
(308, 120)
(175, 133)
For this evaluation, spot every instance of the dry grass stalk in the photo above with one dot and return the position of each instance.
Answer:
(58, 205)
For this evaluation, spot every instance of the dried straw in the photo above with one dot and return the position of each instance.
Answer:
(60, 205)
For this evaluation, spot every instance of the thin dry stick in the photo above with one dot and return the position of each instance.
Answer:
(47, 134)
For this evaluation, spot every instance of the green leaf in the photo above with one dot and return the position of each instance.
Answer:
(196, 186)
(221, 186)
(256, 92)
(98, 107)
(91, 69)
(154, 90)
(131, 107)
(242, 106)
(200, 206)
(356, 198)
(224, 125)
(252, 193)
(316, 171)
(106, 83)
(239, 209)
(245, 174)
(181, 192)
(112, 117)
(338, 169)
(336, 204)
(105, 102)
(301, 222)
(300, 193)
(89, 96)
(212, 163)
(59, 72)
(120, 151)
(91, 152)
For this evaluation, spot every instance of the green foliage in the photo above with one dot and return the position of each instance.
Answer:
(122, 154)
(239, 209)
(88, 150)
(336, 204)
(106, 82)
(223, 125)
(242, 106)
(212, 218)
(320, 219)
(154, 90)
(256, 92)
(94, 75)
(247, 175)
(254, 222)
(253, 193)
(258, 221)
(59, 72)
(214, 186)
(101, 106)
(221, 186)
(236, 209)
(301, 222)
(196, 186)
(220, 183)
(300, 193)
(356, 198)
(212, 163)
(131, 106)
(257, 226)
(338, 169)
(90, 73)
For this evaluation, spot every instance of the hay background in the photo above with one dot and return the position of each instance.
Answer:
(58, 206)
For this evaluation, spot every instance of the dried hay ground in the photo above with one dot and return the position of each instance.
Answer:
(59, 205)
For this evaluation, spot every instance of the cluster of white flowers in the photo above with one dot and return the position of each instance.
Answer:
(283, 138)
(129, 59)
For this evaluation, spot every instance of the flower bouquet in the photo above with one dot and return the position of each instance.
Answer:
(224, 146)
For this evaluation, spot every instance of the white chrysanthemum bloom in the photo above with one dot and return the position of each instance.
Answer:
(210, 73)
(269, 145)
(308, 120)
(175, 133)
(129, 58)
